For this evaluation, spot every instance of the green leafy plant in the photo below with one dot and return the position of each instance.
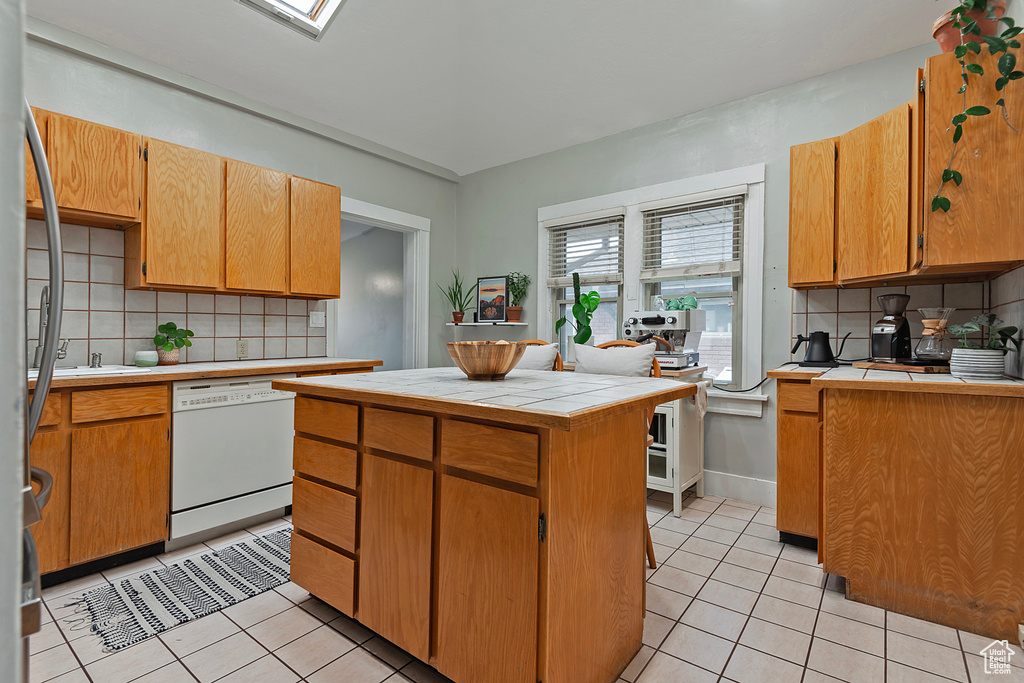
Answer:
(999, 337)
(170, 336)
(970, 42)
(582, 311)
(459, 296)
(517, 283)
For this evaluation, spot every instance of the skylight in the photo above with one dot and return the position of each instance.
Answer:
(308, 17)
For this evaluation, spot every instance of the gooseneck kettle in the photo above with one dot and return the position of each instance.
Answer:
(819, 350)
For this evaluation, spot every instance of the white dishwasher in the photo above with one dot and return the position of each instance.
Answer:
(231, 451)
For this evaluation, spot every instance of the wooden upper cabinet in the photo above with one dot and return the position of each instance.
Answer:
(256, 228)
(812, 199)
(184, 229)
(873, 186)
(983, 225)
(96, 169)
(315, 239)
(32, 195)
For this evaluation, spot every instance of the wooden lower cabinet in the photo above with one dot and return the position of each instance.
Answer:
(797, 460)
(487, 594)
(325, 573)
(51, 534)
(120, 485)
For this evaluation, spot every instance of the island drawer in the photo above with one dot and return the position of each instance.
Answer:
(491, 451)
(114, 404)
(327, 574)
(329, 462)
(329, 419)
(325, 513)
(402, 433)
(798, 397)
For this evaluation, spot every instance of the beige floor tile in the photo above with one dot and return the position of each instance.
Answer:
(358, 666)
(76, 676)
(229, 539)
(740, 576)
(51, 594)
(769, 533)
(728, 596)
(391, 654)
(634, 668)
(170, 673)
(667, 603)
(795, 553)
(817, 677)
(800, 593)
(257, 609)
(750, 666)
(845, 663)
(263, 670)
(976, 665)
(776, 640)
(72, 620)
(49, 636)
(314, 650)
(182, 554)
(666, 537)
(351, 629)
(836, 603)
(293, 592)
(900, 673)
(693, 515)
(662, 551)
(785, 613)
(925, 655)
(766, 518)
(926, 630)
(716, 551)
(133, 569)
(794, 571)
(735, 512)
(697, 647)
(268, 527)
(692, 562)
(662, 506)
(131, 663)
(656, 627)
(974, 644)
(701, 504)
(665, 668)
(677, 580)
(751, 560)
(224, 657)
(195, 635)
(418, 672)
(759, 545)
(677, 525)
(720, 621)
(741, 504)
(855, 634)
(714, 499)
(283, 628)
(723, 522)
(50, 663)
(90, 649)
(713, 533)
(654, 516)
(320, 609)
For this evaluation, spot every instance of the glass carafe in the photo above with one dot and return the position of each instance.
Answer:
(936, 343)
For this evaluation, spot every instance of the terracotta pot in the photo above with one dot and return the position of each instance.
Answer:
(949, 36)
(514, 313)
(457, 316)
(168, 357)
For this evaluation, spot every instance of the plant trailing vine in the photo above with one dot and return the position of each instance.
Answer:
(970, 35)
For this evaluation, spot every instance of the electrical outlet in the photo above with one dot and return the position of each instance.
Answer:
(317, 319)
(242, 348)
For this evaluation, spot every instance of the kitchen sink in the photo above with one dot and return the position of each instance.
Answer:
(85, 370)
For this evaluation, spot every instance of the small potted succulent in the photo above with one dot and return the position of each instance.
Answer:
(972, 361)
(517, 284)
(169, 341)
(582, 311)
(459, 296)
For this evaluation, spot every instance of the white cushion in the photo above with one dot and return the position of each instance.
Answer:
(538, 358)
(627, 361)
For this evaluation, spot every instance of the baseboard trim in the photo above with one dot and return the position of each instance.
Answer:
(736, 487)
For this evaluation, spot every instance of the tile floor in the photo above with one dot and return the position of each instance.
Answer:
(728, 602)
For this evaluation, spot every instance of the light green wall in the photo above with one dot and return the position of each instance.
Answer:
(497, 208)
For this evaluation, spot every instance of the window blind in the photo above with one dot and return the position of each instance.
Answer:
(592, 248)
(704, 238)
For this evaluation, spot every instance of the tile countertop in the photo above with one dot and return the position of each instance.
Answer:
(560, 400)
(885, 380)
(239, 368)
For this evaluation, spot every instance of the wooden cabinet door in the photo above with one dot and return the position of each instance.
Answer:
(51, 534)
(797, 473)
(95, 168)
(31, 181)
(120, 485)
(983, 224)
(184, 231)
(487, 584)
(394, 553)
(315, 239)
(256, 228)
(872, 233)
(812, 203)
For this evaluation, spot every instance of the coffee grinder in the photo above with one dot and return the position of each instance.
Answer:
(890, 336)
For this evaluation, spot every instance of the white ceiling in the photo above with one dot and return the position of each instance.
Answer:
(470, 84)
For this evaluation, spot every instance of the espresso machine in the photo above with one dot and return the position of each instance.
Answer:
(680, 331)
(890, 336)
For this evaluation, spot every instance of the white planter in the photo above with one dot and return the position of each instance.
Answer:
(980, 364)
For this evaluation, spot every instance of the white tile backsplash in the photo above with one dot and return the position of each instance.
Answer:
(822, 300)
(171, 302)
(105, 242)
(854, 300)
(108, 269)
(106, 325)
(227, 303)
(106, 297)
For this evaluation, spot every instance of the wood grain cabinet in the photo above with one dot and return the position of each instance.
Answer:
(33, 200)
(797, 458)
(812, 199)
(52, 533)
(256, 228)
(315, 256)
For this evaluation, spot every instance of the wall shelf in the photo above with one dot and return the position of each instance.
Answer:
(484, 324)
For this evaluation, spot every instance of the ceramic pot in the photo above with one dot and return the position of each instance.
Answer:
(514, 313)
(948, 35)
(457, 316)
(147, 359)
(168, 357)
(980, 364)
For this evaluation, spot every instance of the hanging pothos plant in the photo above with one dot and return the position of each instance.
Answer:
(971, 40)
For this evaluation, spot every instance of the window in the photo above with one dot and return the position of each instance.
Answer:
(308, 17)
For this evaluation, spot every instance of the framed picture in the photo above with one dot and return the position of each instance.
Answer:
(492, 297)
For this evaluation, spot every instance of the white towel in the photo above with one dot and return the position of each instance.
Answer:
(700, 399)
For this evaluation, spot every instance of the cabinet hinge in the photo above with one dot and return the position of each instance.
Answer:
(542, 528)
(145, 154)
(920, 86)
(920, 241)
(143, 267)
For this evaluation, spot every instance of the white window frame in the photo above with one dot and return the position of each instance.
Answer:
(311, 26)
(748, 180)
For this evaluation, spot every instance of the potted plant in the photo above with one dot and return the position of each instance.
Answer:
(582, 311)
(459, 296)
(971, 361)
(517, 283)
(169, 340)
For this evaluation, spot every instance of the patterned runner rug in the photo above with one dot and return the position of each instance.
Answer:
(134, 609)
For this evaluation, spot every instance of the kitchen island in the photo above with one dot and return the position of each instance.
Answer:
(494, 530)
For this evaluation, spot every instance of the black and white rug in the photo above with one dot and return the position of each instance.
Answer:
(134, 609)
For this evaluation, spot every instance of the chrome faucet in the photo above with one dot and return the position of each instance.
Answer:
(94, 360)
(44, 317)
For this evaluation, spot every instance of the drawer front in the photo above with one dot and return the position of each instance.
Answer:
(114, 404)
(325, 573)
(335, 464)
(325, 513)
(402, 433)
(492, 451)
(798, 397)
(338, 421)
(51, 410)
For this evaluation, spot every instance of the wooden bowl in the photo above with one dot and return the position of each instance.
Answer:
(486, 360)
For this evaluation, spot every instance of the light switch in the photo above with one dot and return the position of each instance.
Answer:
(318, 319)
